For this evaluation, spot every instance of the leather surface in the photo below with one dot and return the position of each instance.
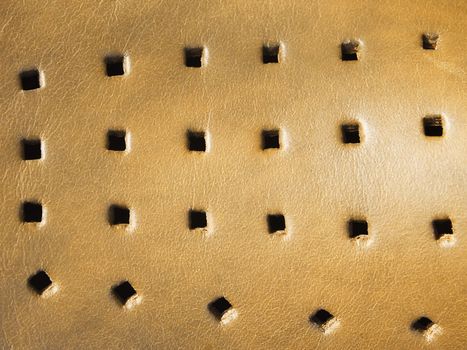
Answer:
(397, 179)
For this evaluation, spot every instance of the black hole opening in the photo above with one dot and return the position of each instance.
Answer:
(39, 282)
(30, 79)
(32, 212)
(430, 41)
(350, 133)
(116, 140)
(276, 222)
(219, 307)
(321, 317)
(119, 215)
(32, 149)
(270, 139)
(421, 324)
(197, 219)
(123, 291)
(433, 126)
(271, 54)
(358, 228)
(196, 141)
(349, 50)
(442, 227)
(194, 57)
(114, 65)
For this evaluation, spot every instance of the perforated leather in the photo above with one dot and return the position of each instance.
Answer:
(192, 160)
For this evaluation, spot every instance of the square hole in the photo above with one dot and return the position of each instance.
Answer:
(270, 139)
(116, 65)
(426, 327)
(433, 126)
(357, 228)
(442, 227)
(30, 79)
(31, 149)
(119, 215)
(32, 212)
(324, 320)
(271, 53)
(276, 223)
(116, 140)
(197, 219)
(350, 50)
(40, 282)
(350, 133)
(430, 41)
(196, 141)
(194, 57)
(222, 310)
(124, 291)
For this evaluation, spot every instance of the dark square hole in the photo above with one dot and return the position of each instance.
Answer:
(433, 125)
(197, 219)
(276, 222)
(30, 79)
(32, 212)
(116, 140)
(194, 57)
(114, 65)
(349, 50)
(430, 41)
(271, 53)
(357, 228)
(350, 133)
(219, 307)
(123, 291)
(442, 227)
(422, 324)
(31, 149)
(196, 141)
(119, 215)
(321, 317)
(39, 282)
(270, 139)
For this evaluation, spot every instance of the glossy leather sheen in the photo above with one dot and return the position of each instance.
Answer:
(397, 179)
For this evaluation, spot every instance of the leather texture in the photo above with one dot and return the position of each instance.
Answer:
(396, 179)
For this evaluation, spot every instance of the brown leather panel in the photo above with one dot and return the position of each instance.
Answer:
(396, 178)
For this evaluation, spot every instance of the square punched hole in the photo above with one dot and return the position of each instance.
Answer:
(194, 57)
(116, 65)
(433, 125)
(31, 149)
(31, 212)
(430, 41)
(270, 139)
(442, 227)
(197, 219)
(350, 133)
(271, 53)
(357, 228)
(222, 310)
(350, 50)
(196, 141)
(324, 320)
(124, 291)
(119, 215)
(116, 140)
(426, 327)
(30, 79)
(276, 223)
(40, 282)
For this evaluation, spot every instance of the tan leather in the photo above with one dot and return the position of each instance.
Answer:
(397, 179)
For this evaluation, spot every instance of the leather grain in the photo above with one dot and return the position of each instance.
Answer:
(396, 179)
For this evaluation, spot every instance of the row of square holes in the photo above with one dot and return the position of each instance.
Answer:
(220, 307)
(196, 140)
(32, 212)
(196, 57)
